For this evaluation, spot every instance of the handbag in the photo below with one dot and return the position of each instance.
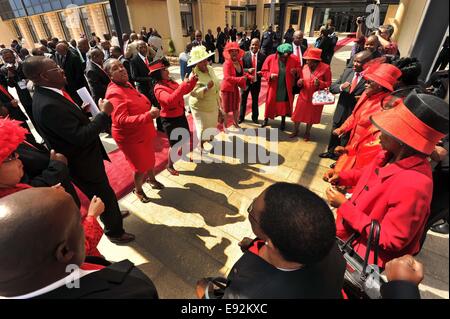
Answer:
(361, 280)
(323, 97)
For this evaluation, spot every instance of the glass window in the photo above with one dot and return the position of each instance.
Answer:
(187, 20)
(62, 21)
(45, 25)
(242, 19)
(32, 30)
(233, 19)
(17, 29)
(85, 21)
(109, 17)
(294, 17)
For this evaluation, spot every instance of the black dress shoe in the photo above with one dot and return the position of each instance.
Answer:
(283, 124)
(326, 155)
(441, 228)
(125, 238)
(265, 123)
(333, 165)
(255, 121)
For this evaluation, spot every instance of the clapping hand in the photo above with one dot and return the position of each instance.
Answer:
(300, 83)
(154, 112)
(105, 106)
(331, 177)
(317, 82)
(96, 207)
(335, 198)
(404, 268)
(58, 157)
(210, 84)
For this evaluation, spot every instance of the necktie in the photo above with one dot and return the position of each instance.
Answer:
(146, 62)
(255, 66)
(5, 91)
(67, 96)
(354, 82)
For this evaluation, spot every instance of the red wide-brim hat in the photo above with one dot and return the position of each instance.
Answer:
(11, 135)
(400, 123)
(313, 54)
(158, 65)
(232, 46)
(383, 74)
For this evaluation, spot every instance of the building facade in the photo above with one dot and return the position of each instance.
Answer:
(175, 20)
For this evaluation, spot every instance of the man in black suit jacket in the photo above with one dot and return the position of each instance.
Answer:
(51, 247)
(350, 86)
(65, 127)
(97, 79)
(12, 72)
(254, 86)
(140, 75)
(210, 44)
(221, 41)
(73, 68)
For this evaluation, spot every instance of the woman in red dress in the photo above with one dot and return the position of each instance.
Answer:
(316, 76)
(132, 127)
(233, 79)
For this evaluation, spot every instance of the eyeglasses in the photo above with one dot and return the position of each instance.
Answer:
(12, 157)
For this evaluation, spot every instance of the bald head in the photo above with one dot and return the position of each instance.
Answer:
(83, 45)
(97, 56)
(254, 45)
(360, 59)
(41, 234)
(62, 48)
(298, 37)
(133, 37)
(34, 66)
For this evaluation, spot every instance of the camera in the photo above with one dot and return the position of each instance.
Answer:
(360, 20)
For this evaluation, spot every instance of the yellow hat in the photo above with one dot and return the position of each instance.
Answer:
(198, 54)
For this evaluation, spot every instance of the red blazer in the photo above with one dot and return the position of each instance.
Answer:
(398, 196)
(230, 80)
(131, 119)
(170, 97)
(271, 66)
(363, 144)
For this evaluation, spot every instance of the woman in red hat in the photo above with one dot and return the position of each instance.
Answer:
(132, 126)
(233, 79)
(364, 143)
(12, 173)
(170, 97)
(316, 76)
(397, 186)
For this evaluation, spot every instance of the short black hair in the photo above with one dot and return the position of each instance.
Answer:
(33, 66)
(411, 70)
(116, 49)
(298, 222)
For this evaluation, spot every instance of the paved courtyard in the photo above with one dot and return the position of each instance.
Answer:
(191, 228)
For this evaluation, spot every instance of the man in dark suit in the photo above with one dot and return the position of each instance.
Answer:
(140, 75)
(51, 247)
(299, 46)
(116, 53)
(13, 76)
(255, 33)
(83, 49)
(97, 79)
(72, 66)
(350, 86)
(210, 44)
(267, 41)
(253, 60)
(221, 41)
(65, 127)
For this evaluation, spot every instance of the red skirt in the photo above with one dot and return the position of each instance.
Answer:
(306, 112)
(140, 155)
(279, 109)
(231, 101)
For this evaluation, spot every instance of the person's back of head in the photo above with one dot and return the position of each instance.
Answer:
(41, 234)
(298, 222)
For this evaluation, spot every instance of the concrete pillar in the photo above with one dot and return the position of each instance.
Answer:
(399, 17)
(407, 22)
(309, 19)
(99, 25)
(22, 24)
(36, 21)
(176, 32)
(7, 34)
(55, 25)
(260, 14)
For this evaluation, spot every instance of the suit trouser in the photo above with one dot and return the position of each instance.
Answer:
(111, 218)
(335, 140)
(254, 90)
(221, 59)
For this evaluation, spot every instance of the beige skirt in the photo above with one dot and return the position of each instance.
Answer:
(203, 121)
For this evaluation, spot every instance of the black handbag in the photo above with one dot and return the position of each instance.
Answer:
(362, 281)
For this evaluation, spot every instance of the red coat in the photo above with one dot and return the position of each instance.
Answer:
(398, 196)
(269, 67)
(363, 144)
(170, 97)
(230, 80)
(305, 111)
(132, 126)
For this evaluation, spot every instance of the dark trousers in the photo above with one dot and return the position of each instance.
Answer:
(254, 89)
(335, 140)
(111, 218)
(221, 59)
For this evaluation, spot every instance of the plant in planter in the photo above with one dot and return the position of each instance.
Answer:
(171, 49)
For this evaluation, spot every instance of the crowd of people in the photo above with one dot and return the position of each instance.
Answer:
(387, 128)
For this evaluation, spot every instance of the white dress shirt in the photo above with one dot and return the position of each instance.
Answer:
(299, 51)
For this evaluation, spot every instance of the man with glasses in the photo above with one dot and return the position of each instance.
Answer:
(66, 129)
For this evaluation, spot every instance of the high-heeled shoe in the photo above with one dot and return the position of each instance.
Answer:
(142, 196)
(155, 184)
